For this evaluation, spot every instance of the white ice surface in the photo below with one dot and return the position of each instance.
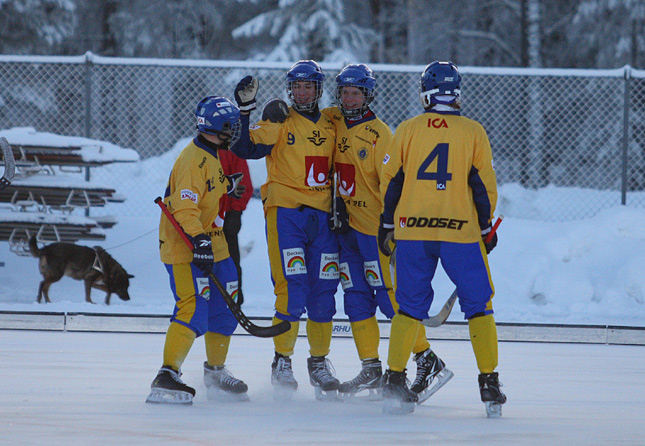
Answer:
(89, 389)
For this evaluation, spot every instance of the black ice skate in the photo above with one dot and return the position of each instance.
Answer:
(168, 388)
(397, 397)
(220, 384)
(432, 375)
(369, 378)
(491, 394)
(321, 376)
(284, 384)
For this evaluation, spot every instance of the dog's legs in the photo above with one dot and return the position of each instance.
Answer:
(107, 298)
(45, 289)
(40, 291)
(88, 289)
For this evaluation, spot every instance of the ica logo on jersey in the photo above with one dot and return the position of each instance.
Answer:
(346, 179)
(437, 123)
(317, 169)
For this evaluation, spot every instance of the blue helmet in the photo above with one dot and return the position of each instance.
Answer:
(440, 84)
(217, 115)
(307, 71)
(361, 77)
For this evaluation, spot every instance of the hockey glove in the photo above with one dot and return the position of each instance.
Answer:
(385, 236)
(203, 253)
(339, 224)
(490, 245)
(245, 92)
(275, 110)
(235, 187)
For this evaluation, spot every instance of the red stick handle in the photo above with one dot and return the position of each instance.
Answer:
(175, 223)
(493, 230)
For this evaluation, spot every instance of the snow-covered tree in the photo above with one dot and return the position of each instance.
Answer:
(35, 26)
(311, 29)
(609, 33)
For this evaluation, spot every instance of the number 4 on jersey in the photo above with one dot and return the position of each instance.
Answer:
(440, 175)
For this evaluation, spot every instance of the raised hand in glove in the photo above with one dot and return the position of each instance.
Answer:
(203, 253)
(340, 224)
(490, 245)
(235, 187)
(275, 110)
(385, 235)
(245, 92)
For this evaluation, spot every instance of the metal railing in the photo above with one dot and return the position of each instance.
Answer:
(571, 141)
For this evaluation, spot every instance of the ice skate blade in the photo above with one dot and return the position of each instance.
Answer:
(326, 395)
(395, 406)
(361, 396)
(493, 410)
(216, 394)
(437, 383)
(164, 396)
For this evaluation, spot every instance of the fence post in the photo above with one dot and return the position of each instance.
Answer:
(625, 158)
(88, 108)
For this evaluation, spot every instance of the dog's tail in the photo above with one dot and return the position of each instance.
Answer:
(33, 246)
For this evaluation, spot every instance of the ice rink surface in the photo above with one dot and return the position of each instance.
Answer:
(72, 388)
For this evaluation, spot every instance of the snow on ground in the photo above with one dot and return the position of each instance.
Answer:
(576, 272)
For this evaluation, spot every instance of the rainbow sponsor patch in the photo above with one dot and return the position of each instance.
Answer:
(203, 287)
(294, 261)
(345, 276)
(232, 288)
(329, 266)
(372, 273)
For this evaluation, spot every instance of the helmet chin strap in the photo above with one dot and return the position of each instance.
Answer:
(211, 145)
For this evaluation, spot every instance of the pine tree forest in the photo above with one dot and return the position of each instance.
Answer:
(494, 33)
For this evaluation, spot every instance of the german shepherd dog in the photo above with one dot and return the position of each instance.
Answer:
(94, 266)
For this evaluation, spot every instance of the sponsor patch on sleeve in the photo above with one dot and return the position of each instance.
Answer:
(386, 158)
(187, 194)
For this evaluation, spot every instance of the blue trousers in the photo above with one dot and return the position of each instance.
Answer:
(303, 253)
(198, 303)
(466, 264)
(365, 277)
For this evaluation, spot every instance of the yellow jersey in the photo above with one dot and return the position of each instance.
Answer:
(194, 194)
(299, 155)
(360, 148)
(438, 179)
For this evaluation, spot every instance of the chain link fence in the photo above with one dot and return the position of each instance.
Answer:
(571, 142)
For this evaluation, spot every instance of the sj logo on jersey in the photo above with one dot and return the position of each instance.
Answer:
(317, 169)
(346, 179)
(316, 139)
(294, 261)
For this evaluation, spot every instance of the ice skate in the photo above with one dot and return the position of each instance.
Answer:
(369, 378)
(321, 376)
(397, 397)
(432, 375)
(221, 385)
(168, 388)
(491, 394)
(284, 384)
